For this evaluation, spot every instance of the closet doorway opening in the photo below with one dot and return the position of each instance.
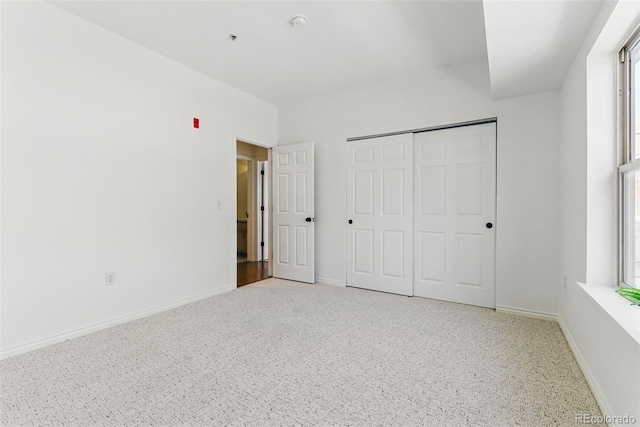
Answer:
(252, 212)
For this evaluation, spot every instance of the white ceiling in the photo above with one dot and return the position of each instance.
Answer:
(532, 44)
(351, 43)
(344, 44)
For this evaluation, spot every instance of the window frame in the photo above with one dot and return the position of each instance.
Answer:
(627, 163)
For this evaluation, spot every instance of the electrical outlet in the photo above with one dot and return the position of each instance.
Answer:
(564, 283)
(110, 278)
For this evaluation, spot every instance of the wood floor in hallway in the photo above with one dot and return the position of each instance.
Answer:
(251, 272)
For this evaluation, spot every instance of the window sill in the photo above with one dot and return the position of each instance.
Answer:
(621, 311)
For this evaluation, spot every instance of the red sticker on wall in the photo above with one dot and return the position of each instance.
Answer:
(196, 123)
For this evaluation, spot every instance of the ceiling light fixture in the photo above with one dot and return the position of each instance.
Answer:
(298, 20)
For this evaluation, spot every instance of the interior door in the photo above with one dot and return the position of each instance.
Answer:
(455, 209)
(293, 212)
(380, 214)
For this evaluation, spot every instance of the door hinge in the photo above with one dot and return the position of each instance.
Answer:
(261, 208)
(261, 172)
(261, 243)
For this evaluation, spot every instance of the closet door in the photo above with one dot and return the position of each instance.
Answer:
(380, 214)
(455, 209)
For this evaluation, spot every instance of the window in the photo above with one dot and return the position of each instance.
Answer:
(629, 168)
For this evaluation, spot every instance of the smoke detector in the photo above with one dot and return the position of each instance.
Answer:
(298, 20)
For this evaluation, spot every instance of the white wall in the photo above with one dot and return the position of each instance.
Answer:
(528, 140)
(588, 250)
(102, 171)
(573, 168)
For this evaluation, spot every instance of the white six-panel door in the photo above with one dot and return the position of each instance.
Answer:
(380, 214)
(422, 212)
(293, 212)
(454, 208)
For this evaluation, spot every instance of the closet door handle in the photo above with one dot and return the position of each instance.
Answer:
(489, 225)
(350, 221)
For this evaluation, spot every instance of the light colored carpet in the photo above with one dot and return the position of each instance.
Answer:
(288, 354)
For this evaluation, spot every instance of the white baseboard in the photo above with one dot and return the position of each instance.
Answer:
(527, 313)
(330, 282)
(34, 345)
(593, 384)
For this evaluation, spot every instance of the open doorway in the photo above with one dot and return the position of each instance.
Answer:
(252, 208)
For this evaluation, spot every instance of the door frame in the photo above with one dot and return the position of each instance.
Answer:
(269, 224)
(253, 194)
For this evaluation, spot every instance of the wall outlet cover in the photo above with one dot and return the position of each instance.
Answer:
(110, 278)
